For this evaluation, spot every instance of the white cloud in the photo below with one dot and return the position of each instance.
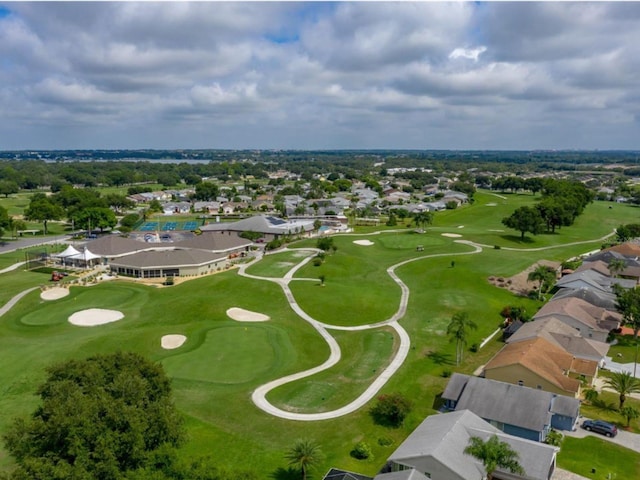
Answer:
(332, 75)
(469, 53)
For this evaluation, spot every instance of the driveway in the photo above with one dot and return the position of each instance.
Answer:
(624, 438)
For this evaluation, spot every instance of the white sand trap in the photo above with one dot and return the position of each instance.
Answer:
(365, 243)
(242, 315)
(95, 316)
(54, 293)
(460, 226)
(491, 204)
(494, 230)
(169, 342)
(451, 235)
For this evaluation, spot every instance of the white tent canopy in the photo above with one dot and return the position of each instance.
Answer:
(85, 255)
(68, 252)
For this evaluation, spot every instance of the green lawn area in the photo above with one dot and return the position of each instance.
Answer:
(624, 351)
(583, 455)
(278, 264)
(223, 361)
(607, 409)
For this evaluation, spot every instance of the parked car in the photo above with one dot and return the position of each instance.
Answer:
(599, 426)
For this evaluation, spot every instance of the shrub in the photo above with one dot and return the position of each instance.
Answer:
(317, 262)
(554, 438)
(474, 348)
(362, 451)
(390, 410)
(446, 373)
(385, 441)
(497, 247)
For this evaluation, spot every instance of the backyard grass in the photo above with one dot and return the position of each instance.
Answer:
(223, 361)
(586, 455)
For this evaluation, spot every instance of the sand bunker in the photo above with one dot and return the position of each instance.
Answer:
(169, 342)
(460, 226)
(451, 235)
(364, 243)
(492, 204)
(242, 315)
(54, 293)
(95, 316)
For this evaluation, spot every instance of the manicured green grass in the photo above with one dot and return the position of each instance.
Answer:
(606, 408)
(582, 455)
(625, 349)
(278, 264)
(223, 361)
(364, 355)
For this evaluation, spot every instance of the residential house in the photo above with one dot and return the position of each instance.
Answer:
(563, 336)
(538, 363)
(592, 279)
(591, 321)
(589, 295)
(517, 410)
(435, 449)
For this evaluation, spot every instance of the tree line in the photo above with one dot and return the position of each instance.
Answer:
(562, 202)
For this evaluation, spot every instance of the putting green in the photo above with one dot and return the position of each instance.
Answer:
(229, 355)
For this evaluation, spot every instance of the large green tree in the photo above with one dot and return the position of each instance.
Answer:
(494, 454)
(525, 219)
(8, 187)
(390, 410)
(304, 455)
(628, 304)
(95, 217)
(623, 383)
(99, 418)
(5, 220)
(42, 209)
(458, 331)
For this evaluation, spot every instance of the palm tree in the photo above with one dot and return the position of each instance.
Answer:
(624, 384)
(617, 266)
(494, 454)
(458, 330)
(542, 274)
(305, 454)
(422, 218)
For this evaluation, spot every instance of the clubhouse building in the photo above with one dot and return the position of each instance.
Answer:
(197, 255)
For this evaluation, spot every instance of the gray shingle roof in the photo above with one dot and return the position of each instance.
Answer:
(594, 297)
(444, 437)
(403, 475)
(504, 402)
(261, 224)
(562, 335)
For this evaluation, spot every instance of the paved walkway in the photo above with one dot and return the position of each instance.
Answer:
(560, 474)
(259, 395)
(9, 305)
(630, 368)
(10, 268)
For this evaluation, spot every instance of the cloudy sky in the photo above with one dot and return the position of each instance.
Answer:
(311, 75)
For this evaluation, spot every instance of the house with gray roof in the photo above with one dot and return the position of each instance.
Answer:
(591, 321)
(564, 336)
(517, 410)
(593, 279)
(436, 450)
(594, 297)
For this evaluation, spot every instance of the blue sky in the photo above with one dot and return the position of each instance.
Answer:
(320, 75)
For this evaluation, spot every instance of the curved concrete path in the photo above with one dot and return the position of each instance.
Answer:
(259, 395)
(9, 305)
